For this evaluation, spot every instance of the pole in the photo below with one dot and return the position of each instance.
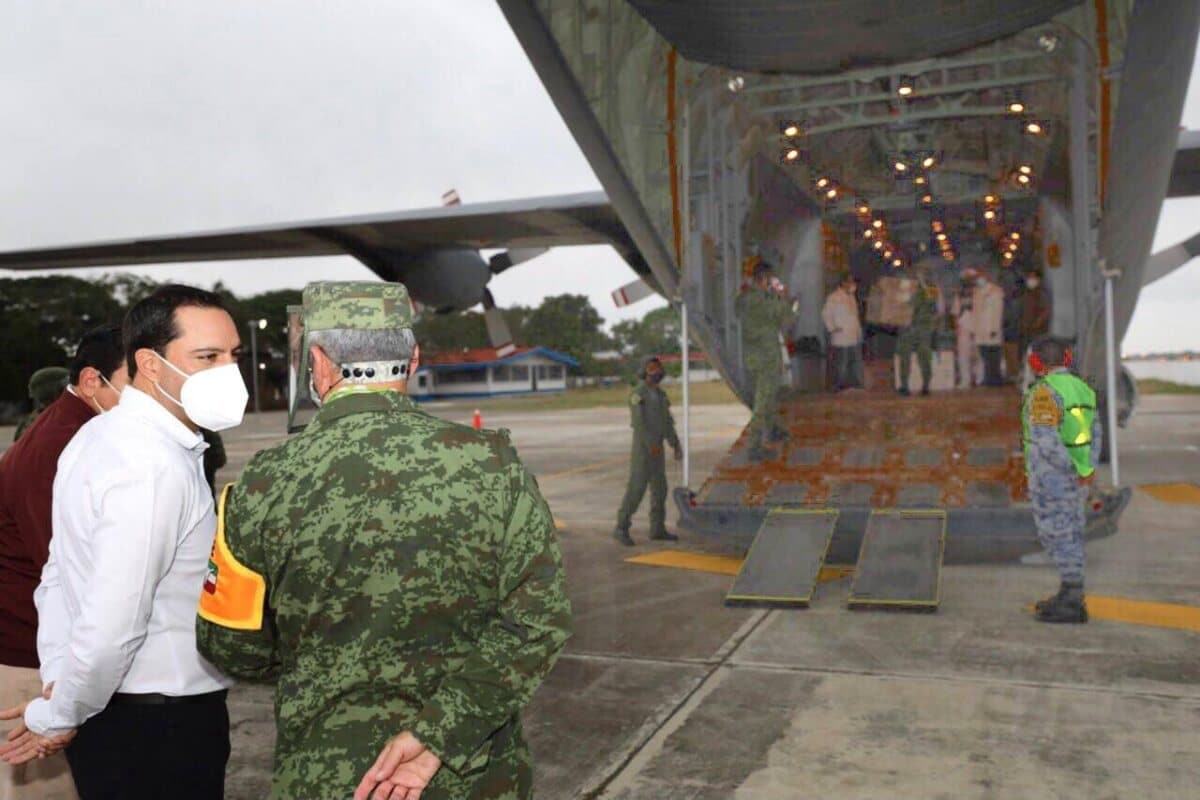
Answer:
(1111, 368)
(687, 407)
(254, 360)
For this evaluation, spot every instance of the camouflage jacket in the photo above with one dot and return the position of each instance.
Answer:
(391, 571)
(763, 313)
(925, 306)
(650, 418)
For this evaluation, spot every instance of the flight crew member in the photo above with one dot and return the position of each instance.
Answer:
(918, 335)
(651, 420)
(45, 386)
(988, 305)
(763, 309)
(27, 470)
(840, 315)
(1062, 447)
(397, 575)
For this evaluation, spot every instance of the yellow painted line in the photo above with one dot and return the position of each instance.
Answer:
(717, 565)
(585, 468)
(1142, 612)
(1187, 493)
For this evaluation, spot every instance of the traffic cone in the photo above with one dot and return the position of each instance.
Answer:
(477, 420)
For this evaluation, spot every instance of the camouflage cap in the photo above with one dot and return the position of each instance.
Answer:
(356, 305)
(47, 383)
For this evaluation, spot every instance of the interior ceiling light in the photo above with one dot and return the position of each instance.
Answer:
(941, 237)
(822, 183)
(879, 245)
(989, 214)
(864, 209)
(792, 154)
(736, 83)
(927, 199)
(791, 130)
(1048, 42)
(1016, 107)
(1024, 179)
(1025, 169)
(1008, 256)
(831, 194)
(937, 226)
(901, 166)
(928, 162)
(1015, 234)
(897, 263)
(1034, 127)
(991, 198)
(905, 87)
(920, 180)
(877, 224)
(1014, 247)
(868, 233)
(887, 254)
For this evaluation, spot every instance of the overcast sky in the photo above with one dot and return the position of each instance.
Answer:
(124, 119)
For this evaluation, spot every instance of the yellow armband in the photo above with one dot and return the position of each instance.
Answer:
(233, 593)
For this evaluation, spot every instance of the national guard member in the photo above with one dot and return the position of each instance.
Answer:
(763, 310)
(398, 575)
(1062, 446)
(650, 417)
(45, 386)
(918, 335)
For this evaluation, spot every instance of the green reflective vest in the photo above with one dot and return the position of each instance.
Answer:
(1079, 411)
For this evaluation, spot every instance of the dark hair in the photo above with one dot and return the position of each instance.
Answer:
(100, 348)
(1051, 350)
(151, 323)
(646, 362)
(761, 269)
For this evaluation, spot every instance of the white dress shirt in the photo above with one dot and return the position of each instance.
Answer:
(133, 528)
(840, 316)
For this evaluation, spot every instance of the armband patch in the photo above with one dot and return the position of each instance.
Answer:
(233, 593)
(635, 399)
(1042, 408)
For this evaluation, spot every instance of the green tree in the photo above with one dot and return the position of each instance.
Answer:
(44, 318)
(442, 333)
(569, 324)
(654, 334)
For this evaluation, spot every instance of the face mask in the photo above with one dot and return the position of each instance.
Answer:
(655, 377)
(1032, 283)
(213, 398)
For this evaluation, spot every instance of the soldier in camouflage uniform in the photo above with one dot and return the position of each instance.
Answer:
(918, 335)
(650, 413)
(45, 386)
(763, 310)
(1062, 446)
(396, 574)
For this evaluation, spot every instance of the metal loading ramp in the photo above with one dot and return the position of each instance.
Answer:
(900, 561)
(785, 560)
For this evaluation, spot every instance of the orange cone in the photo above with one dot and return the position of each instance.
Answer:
(477, 420)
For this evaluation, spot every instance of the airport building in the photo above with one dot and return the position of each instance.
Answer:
(489, 372)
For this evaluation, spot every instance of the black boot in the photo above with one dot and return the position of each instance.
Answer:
(622, 536)
(903, 391)
(1068, 606)
(663, 535)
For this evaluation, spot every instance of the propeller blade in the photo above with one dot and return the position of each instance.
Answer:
(502, 261)
(631, 293)
(497, 327)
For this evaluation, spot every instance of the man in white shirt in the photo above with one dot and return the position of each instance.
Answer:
(133, 529)
(840, 316)
(988, 309)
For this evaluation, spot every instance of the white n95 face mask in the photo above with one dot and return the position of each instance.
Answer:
(212, 398)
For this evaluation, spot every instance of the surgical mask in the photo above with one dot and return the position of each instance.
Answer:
(655, 377)
(212, 398)
(1032, 283)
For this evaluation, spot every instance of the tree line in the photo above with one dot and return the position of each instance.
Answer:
(44, 317)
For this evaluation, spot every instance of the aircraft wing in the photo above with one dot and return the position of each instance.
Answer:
(1185, 174)
(552, 221)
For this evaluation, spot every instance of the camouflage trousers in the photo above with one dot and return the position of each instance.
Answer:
(645, 470)
(765, 414)
(921, 341)
(1058, 512)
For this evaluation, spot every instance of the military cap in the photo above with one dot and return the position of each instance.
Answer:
(356, 305)
(47, 383)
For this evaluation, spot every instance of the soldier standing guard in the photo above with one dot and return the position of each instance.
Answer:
(650, 417)
(45, 386)
(1062, 446)
(396, 574)
(763, 309)
(918, 335)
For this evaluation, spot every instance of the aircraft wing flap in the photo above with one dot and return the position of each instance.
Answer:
(528, 223)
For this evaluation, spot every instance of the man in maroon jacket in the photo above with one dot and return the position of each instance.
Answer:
(27, 470)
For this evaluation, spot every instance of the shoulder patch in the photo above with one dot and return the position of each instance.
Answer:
(635, 399)
(233, 594)
(1043, 409)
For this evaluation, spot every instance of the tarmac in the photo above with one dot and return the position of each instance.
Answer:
(665, 694)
